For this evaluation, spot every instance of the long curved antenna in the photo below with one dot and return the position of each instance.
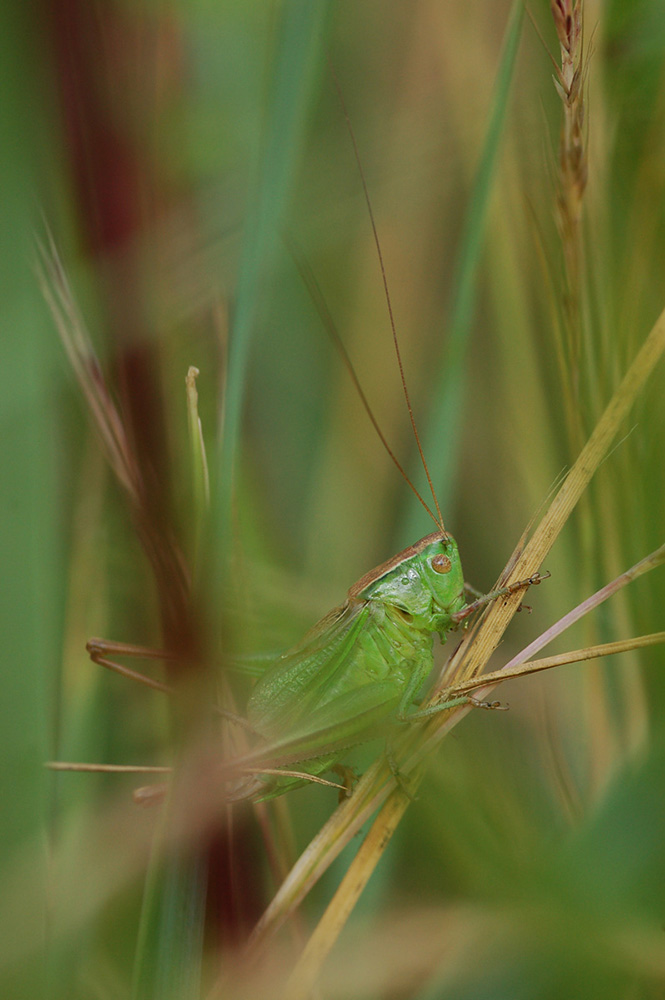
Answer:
(384, 278)
(317, 296)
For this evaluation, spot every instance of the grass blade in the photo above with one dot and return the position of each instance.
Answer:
(30, 508)
(296, 66)
(443, 432)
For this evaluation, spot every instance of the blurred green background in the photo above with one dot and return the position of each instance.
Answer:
(170, 147)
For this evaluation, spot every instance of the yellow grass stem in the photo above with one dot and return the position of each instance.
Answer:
(559, 660)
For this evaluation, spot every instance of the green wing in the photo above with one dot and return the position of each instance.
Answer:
(338, 683)
(293, 683)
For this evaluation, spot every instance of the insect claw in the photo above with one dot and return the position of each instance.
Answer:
(494, 706)
(533, 581)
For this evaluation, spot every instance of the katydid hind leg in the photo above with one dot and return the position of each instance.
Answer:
(100, 649)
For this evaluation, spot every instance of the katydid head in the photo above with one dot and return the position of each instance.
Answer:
(424, 582)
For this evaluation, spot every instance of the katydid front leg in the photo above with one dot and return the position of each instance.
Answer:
(404, 715)
(470, 609)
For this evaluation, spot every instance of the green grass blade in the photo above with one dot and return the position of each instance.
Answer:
(170, 941)
(442, 437)
(296, 67)
(29, 513)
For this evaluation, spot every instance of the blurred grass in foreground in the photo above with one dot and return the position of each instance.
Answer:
(532, 861)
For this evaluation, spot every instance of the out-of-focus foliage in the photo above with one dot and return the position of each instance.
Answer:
(158, 139)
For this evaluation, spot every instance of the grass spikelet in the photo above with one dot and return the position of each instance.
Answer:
(570, 83)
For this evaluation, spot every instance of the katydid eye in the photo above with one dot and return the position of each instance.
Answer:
(441, 564)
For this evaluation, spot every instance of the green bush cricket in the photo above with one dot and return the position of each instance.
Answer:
(353, 676)
(363, 664)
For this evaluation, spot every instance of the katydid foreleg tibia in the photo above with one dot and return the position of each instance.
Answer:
(483, 599)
